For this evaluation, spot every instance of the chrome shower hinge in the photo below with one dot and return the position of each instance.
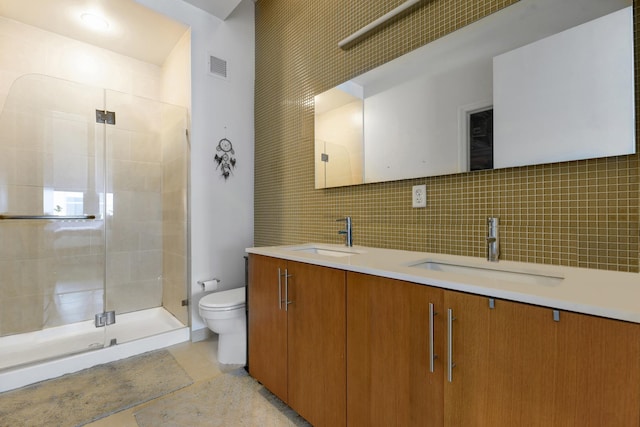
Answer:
(106, 318)
(108, 117)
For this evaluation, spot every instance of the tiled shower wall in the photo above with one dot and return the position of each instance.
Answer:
(175, 158)
(582, 213)
(176, 90)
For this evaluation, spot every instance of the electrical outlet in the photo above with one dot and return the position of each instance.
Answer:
(419, 196)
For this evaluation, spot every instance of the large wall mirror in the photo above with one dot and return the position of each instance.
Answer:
(540, 81)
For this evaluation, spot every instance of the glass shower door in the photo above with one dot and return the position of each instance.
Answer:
(146, 220)
(52, 204)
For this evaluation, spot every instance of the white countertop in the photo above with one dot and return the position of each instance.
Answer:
(603, 293)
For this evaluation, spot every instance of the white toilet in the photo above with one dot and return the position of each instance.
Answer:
(224, 313)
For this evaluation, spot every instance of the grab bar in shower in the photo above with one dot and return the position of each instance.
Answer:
(53, 217)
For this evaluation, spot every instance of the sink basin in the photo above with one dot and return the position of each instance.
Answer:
(529, 278)
(326, 251)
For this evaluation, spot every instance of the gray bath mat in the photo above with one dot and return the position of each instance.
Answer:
(94, 393)
(232, 399)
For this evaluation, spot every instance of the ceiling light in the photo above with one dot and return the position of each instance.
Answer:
(95, 22)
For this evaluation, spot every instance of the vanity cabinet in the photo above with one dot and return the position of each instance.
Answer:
(514, 364)
(362, 350)
(394, 346)
(297, 336)
(509, 363)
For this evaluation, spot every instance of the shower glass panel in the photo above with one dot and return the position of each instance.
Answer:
(93, 219)
(146, 210)
(51, 260)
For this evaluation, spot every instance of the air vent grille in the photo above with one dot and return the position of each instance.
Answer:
(218, 66)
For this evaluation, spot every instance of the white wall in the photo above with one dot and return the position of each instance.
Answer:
(569, 96)
(176, 73)
(221, 211)
(413, 129)
(29, 50)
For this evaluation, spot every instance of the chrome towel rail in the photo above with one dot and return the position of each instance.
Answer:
(48, 217)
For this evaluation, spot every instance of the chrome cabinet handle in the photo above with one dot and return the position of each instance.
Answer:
(450, 363)
(279, 289)
(286, 290)
(432, 356)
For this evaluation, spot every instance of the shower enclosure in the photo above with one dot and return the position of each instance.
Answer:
(93, 219)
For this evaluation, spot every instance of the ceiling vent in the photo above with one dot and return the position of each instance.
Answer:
(217, 66)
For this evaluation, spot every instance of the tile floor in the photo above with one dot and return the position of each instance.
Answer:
(199, 362)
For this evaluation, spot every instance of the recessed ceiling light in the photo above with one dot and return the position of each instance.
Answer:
(95, 22)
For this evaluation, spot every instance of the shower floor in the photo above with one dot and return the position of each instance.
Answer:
(31, 347)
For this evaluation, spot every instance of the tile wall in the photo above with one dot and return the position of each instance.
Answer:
(582, 213)
(176, 89)
(174, 211)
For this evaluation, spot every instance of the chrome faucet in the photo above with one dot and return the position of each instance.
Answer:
(348, 233)
(493, 240)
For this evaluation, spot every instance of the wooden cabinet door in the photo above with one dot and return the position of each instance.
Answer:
(317, 340)
(504, 363)
(267, 324)
(389, 382)
(521, 365)
(598, 372)
(465, 398)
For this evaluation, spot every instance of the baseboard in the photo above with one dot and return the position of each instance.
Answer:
(201, 334)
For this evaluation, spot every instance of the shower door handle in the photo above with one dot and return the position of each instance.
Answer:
(48, 217)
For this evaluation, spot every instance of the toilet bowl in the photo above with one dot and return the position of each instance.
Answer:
(224, 313)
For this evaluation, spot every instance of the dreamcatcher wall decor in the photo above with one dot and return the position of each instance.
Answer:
(224, 158)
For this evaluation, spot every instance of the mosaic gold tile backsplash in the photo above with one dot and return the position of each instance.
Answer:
(582, 213)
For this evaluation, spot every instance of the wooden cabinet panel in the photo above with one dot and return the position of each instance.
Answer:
(521, 367)
(267, 325)
(504, 363)
(465, 397)
(516, 366)
(317, 340)
(297, 350)
(597, 373)
(388, 378)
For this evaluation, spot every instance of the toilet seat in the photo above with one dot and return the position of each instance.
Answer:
(231, 299)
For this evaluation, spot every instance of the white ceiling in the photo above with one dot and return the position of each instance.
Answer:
(134, 30)
(220, 8)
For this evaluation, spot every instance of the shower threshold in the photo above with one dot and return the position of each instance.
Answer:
(35, 356)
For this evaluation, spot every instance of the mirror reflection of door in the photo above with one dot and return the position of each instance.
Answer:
(481, 140)
(339, 137)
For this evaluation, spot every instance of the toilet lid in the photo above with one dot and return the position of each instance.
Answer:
(224, 300)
